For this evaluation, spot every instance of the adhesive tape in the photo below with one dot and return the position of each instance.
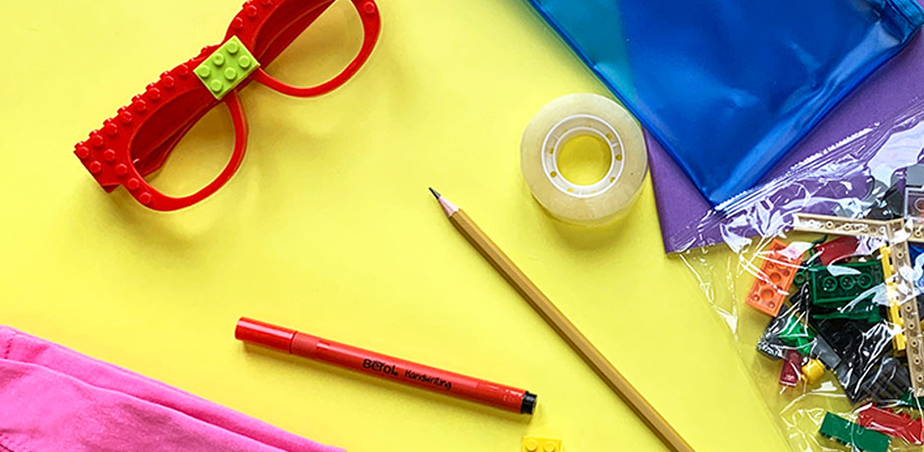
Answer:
(570, 117)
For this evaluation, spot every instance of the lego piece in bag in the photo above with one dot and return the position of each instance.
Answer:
(772, 346)
(910, 314)
(890, 381)
(813, 371)
(897, 425)
(914, 202)
(849, 337)
(899, 341)
(821, 350)
(826, 224)
(883, 383)
(890, 206)
(770, 343)
(773, 281)
(854, 283)
(837, 249)
(861, 347)
(798, 335)
(914, 176)
(909, 400)
(824, 353)
(865, 312)
(851, 434)
(789, 374)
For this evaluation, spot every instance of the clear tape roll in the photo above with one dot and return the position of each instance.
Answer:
(565, 119)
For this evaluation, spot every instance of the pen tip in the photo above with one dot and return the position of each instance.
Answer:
(436, 194)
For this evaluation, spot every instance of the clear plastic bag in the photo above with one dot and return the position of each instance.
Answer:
(819, 275)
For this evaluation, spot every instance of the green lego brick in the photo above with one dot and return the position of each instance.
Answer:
(851, 434)
(796, 334)
(866, 311)
(851, 280)
(800, 277)
(226, 67)
(911, 401)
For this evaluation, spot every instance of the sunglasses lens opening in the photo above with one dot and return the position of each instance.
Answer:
(197, 158)
(322, 50)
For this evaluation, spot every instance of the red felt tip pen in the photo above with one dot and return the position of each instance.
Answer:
(379, 365)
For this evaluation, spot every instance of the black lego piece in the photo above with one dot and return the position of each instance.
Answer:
(890, 206)
(773, 347)
(770, 343)
(884, 384)
(865, 371)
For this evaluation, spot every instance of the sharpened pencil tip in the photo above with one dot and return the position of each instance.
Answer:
(436, 194)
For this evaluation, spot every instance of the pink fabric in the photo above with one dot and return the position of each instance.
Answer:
(53, 399)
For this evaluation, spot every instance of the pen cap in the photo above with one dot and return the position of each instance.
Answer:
(265, 334)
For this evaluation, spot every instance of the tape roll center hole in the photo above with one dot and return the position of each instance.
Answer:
(590, 151)
(584, 159)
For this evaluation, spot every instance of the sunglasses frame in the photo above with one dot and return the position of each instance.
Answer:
(137, 141)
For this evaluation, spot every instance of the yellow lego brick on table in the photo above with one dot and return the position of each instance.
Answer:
(541, 445)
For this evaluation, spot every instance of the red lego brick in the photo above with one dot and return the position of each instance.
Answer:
(893, 424)
(837, 249)
(775, 278)
(789, 375)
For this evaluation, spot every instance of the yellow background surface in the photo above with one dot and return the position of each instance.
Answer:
(329, 228)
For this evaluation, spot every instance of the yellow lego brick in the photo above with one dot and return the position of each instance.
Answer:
(541, 445)
(899, 341)
(813, 372)
(885, 255)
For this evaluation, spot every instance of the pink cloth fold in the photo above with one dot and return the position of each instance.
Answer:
(53, 399)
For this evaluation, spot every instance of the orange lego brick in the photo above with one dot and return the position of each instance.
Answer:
(774, 280)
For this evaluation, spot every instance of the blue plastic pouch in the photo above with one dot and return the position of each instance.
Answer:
(729, 86)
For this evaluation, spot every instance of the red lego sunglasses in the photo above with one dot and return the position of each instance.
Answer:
(138, 140)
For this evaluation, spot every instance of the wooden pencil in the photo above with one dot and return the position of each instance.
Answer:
(562, 325)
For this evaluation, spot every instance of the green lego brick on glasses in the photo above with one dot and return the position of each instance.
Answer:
(227, 67)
